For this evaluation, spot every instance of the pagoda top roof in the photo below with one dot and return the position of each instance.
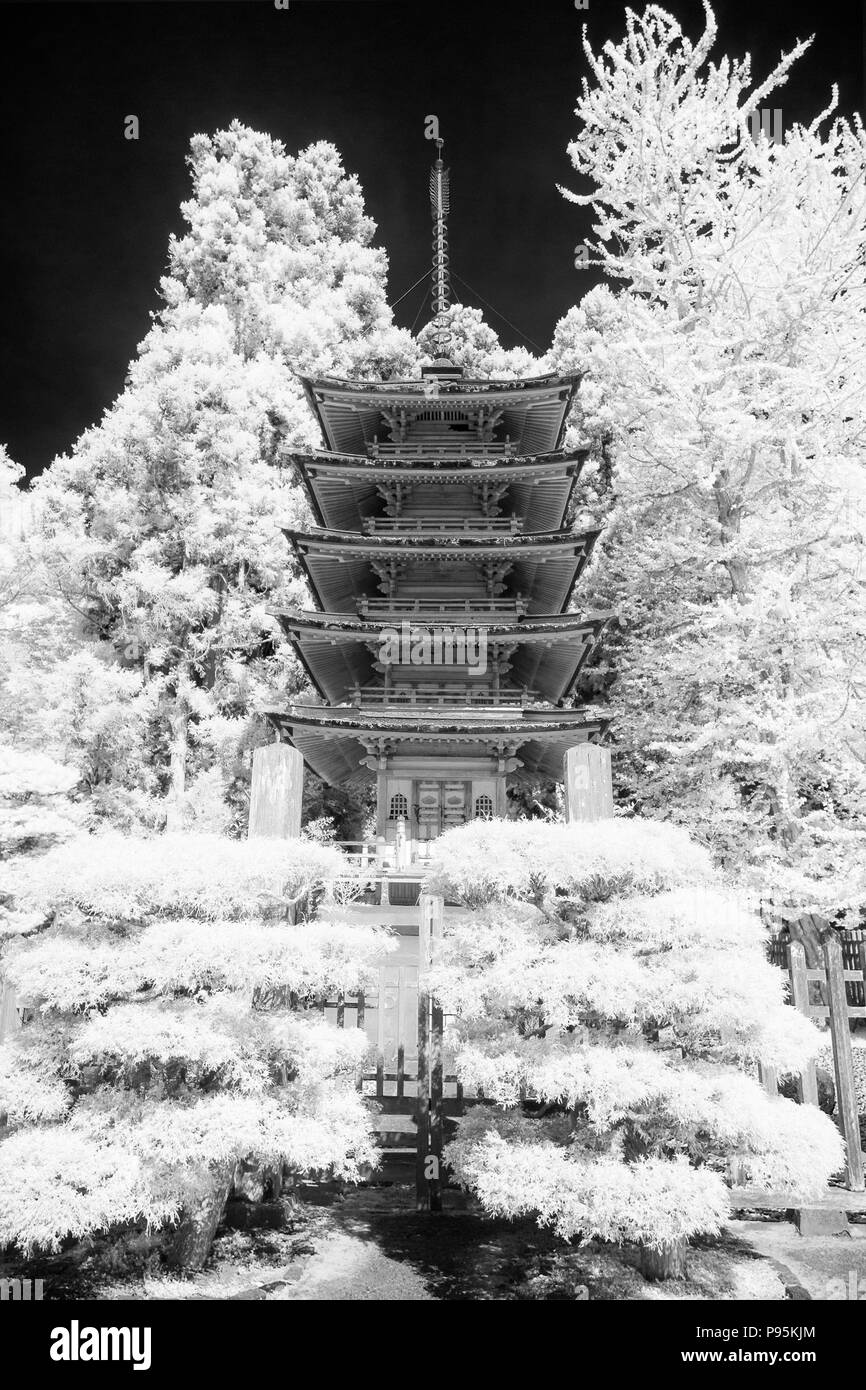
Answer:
(354, 415)
(451, 387)
(341, 745)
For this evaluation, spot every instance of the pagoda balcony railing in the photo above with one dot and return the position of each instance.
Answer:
(438, 697)
(372, 862)
(480, 525)
(429, 449)
(430, 609)
(362, 853)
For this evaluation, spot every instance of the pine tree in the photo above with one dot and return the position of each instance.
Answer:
(609, 1001)
(63, 693)
(35, 810)
(475, 346)
(163, 524)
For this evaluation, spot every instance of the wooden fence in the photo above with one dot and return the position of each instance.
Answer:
(839, 984)
(853, 943)
(411, 1075)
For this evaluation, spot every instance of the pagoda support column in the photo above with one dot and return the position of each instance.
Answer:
(381, 797)
(276, 792)
(501, 803)
(588, 784)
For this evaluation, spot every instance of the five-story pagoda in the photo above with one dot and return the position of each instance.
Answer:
(441, 569)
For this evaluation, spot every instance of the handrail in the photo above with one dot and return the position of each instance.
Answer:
(469, 606)
(439, 698)
(420, 448)
(480, 524)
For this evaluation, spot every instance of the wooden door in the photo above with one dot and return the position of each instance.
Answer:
(429, 808)
(455, 804)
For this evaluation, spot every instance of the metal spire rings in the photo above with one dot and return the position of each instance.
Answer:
(441, 278)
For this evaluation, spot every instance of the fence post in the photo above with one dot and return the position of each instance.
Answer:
(807, 1081)
(843, 1062)
(428, 1164)
(768, 1078)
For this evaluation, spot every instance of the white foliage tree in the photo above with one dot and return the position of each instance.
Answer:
(724, 398)
(176, 984)
(35, 810)
(162, 526)
(475, 346)
(610, 1002)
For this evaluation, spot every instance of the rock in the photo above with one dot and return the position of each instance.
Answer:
(817, 1221)
(826, 1091)
(246, 1216)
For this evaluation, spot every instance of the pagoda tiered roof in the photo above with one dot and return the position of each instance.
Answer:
(343, 743)
(345, 490)
(441, 501)
(529, 416)
(343, 567)
(340, 654)
(441, 567)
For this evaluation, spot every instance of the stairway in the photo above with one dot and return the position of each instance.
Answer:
(396, 1136)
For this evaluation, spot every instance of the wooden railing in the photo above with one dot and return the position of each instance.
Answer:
(438, 698)
(373, 862)
(831, 980)
(418, 448)
(446, 609)
(853, 943)
(362, 853)
(389, 525)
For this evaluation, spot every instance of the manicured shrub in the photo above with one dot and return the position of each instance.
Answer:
(176, 985)
(610, 1001)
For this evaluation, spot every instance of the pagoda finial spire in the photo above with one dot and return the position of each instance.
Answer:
(441, 276)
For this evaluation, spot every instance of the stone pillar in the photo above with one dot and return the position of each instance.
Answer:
(276, 791)
(588, 785)
(8, 1010)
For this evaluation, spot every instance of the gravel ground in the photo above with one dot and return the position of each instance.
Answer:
(346, 1268)
(373, 1245)
(370, 1244)
(827, 1267)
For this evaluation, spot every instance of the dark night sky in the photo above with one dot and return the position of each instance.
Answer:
(88, 213)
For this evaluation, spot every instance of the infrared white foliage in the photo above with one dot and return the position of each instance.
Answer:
(602, 972)
(723, 398)
(177, 1029)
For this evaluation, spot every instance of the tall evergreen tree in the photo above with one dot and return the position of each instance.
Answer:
(475, 346)
(163, 523)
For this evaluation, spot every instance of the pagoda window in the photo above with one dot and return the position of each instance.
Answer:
(483, 808)
(399, 807)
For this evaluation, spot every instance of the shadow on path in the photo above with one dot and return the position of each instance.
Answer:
(379, 1247)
